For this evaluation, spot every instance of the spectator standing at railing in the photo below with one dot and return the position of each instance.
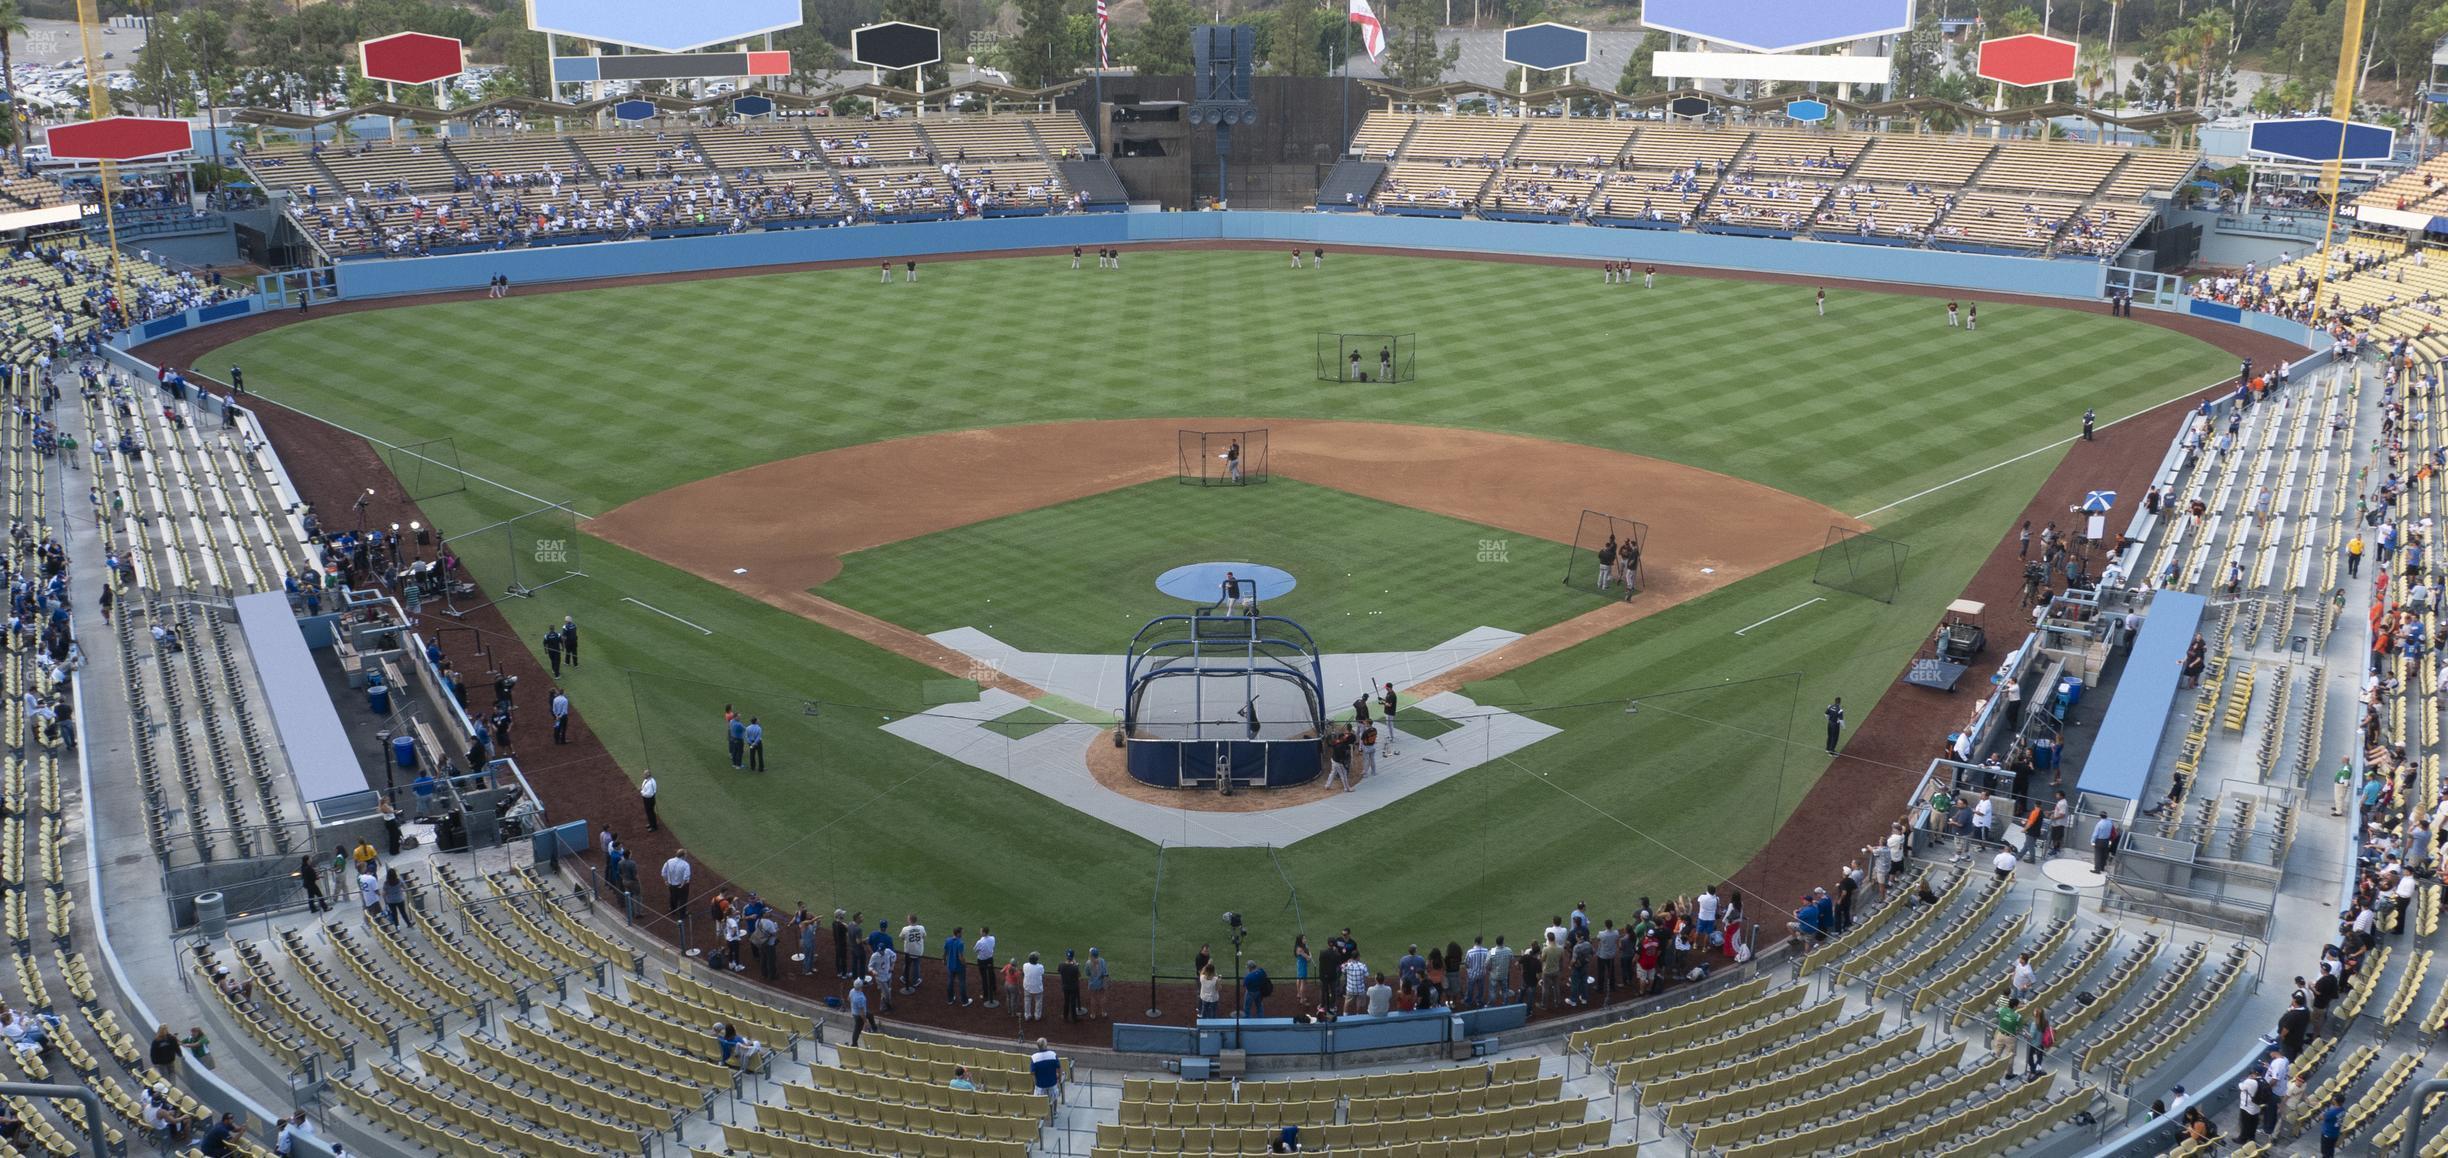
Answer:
(676, 874)
(956, 968)
(913, 952)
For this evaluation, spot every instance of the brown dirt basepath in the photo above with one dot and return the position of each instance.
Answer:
(776, 530)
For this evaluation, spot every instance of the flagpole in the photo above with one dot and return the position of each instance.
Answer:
(1096, 115)
(1345, 53)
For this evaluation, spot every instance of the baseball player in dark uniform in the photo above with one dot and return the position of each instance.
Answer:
(1835, 719)
(1386, 704)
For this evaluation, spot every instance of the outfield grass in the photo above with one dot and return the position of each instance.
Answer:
(596, 397)
(599, 396)
(1081, 576)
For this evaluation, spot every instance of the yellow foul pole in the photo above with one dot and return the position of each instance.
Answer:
(97, 95)
(2341, 106)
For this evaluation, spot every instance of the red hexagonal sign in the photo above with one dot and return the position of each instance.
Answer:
(2027, 61)
(412, 58)
(118, 139)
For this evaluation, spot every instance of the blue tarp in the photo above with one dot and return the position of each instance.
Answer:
(2120, 762)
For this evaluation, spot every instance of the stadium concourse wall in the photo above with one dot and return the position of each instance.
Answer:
(385, 277)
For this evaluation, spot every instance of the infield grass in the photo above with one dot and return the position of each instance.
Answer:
(1081, 576)
(596, 397)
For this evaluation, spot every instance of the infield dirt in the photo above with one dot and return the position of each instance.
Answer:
(777, 530)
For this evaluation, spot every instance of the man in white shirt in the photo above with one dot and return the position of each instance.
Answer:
(2006, 863)
(646, 796)
(292, 1134)
(1984, 818)
(1032, 988)
(1355, 985)
(2025, 980)
(676, 873)
(913, 950)
(2405, 901)
(984, 951)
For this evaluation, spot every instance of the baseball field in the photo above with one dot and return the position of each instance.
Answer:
(784, 483)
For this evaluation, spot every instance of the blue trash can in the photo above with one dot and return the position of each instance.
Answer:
(378, 697)
(403, 751)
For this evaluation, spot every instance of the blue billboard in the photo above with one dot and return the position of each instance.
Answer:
(2320, 139)
(662, 26)
(1546, 47)
(1778, 25)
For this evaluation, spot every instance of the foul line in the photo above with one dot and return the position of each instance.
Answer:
(1865, 515)
(1788, 611)
(665, 614)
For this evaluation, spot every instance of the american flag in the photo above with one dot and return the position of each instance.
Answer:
(1102, 42)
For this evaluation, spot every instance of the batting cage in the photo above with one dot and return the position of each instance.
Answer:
(427, 469)
(1220, 458)
(1363, 357)
(533, 551)
(1608, 552)
(1861, 563)
(1207, 698)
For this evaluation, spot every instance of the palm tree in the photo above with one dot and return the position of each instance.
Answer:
(2113, 7)
(2209, 30)
(2090, 72)
(12, 25)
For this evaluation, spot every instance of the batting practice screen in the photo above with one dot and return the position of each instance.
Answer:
(1861, 563)
(426, 469)
(1220, 458)
(1606, 551)
(1364, 357)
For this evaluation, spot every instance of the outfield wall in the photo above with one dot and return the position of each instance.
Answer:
(1835, 261)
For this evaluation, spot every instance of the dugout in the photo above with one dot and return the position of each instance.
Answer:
(1210, 699)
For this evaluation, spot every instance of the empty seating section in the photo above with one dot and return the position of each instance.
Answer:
(1502, 1108)
(2063, 168)
(1061, 135)
(1381, 133)
(2148, 173)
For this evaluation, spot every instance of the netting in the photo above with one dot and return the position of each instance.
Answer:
(427, 469)
(527, 553)
(1364, 357)
(1220, 458)
(1607, 550)
(1861, 563)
